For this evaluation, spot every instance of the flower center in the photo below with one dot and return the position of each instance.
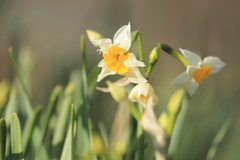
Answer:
(144, 97)
(115, 58)
(201, 74)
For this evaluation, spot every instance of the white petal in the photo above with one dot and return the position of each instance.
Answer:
(101, 63)
(143, 89)
(181, 80)
(214, 62)
(192, 86)
(133, 62)
(105, 72)
(104, 44)
(133, 95)
(191, 70)
(134, 75)
(122, 37)
(155, 100)
(192, 57)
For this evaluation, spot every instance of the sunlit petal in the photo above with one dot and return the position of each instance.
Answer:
(191, 70)
(122, 37)
(181, 80)
(134, 75)
(105, 72)
(214, 62)
(104, 44)
(192, 86)
(192, 57)
(133, 95)
(101, 63)
(133, 62)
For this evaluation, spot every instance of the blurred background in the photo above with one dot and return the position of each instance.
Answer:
(51, 31)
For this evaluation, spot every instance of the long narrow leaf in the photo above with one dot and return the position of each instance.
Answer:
(3, 138)
(68, 149)
(20, 77)
(218, 138)
(16, 138)
(50, 109)
(28, 130)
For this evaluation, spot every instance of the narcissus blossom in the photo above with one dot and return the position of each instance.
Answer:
(141, 93)
(116, 56)
(197, 71)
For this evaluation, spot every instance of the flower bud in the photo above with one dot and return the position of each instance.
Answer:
(175, 102)
(141, 93)
(153, 58)
(117, 92)
(93, 34)
(163, 120)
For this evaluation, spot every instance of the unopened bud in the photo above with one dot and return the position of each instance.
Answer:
(163, 121)
(153, 58)
(175, 102)
(93, 34)
(97, 144)
(117, 92)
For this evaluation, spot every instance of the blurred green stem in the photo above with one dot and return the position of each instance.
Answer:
(140, 138)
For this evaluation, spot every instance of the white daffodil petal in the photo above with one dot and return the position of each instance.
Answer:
(143, 89)
(134, 75)
(104, 44)
(181, 80)
(122, 37)
(101, 63)
(105, 72)
(155, 100)
(133, 95)
(192, 57)
(133, 62)
(191, 70)
(192, 86)
(214, 62)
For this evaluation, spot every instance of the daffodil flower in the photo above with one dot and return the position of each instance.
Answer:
(197, 71)
(116, 56)
(141, 93)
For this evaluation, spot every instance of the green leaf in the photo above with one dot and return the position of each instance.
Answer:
(5, 87)
(218, 138)
(176, 134)
(28, 129)
(92, 80)
(26, 95)
(68, 149)
(103, 133)
(50, 109)
(62, 120)
(16, 138)
(3, 138)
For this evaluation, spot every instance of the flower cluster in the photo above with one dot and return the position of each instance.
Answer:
(117, 59)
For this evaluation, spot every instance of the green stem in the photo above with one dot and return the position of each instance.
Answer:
(175, 54)
(83, 51)
(140, 139)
